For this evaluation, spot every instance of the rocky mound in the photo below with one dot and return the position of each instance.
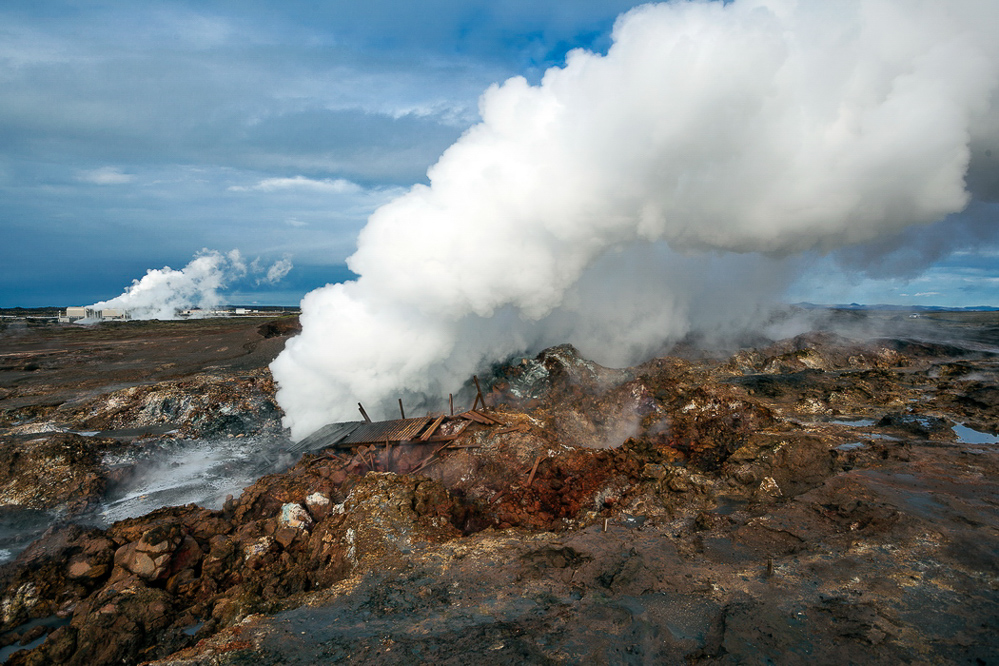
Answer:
(802, 502)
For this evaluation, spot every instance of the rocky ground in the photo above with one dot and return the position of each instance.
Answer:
(828, 498)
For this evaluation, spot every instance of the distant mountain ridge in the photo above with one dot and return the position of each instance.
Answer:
(902, 308)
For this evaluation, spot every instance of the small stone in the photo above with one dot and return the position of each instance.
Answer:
(744, 453)
(679, 484)
(654, 472)
(746, 476)
(295, 515)
(286, 535)
(704, 521)
(769, 487)
(258, 548)
(81, 567)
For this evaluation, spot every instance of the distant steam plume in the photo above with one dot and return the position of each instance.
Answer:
(161, 293)
(632, 196)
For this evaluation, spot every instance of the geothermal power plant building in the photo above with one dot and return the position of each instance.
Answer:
(108, 314)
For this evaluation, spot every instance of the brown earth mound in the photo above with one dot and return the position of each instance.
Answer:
(804, 502)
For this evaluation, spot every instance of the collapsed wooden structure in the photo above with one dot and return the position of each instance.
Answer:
(421, 430)
(430, 429)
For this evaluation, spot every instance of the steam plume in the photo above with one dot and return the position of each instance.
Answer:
(161, 293)
(634, 195)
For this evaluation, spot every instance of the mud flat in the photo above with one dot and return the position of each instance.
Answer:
(827, 498)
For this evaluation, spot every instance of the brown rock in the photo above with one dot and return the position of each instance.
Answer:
(319, 505)
(286, 535)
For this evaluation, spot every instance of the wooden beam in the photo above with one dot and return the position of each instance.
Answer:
(363, 413)
(480, 417)
(402, 411)
(429, 432)
(478, 392)
(534, 470)
(473, 415)
(430, 458)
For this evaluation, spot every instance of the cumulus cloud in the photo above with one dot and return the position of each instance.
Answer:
(277, 271)
(105, 176)
(633, 196)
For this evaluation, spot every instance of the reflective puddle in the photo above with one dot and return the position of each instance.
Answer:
(966, 435)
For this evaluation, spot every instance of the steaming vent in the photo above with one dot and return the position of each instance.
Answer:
(679, 182)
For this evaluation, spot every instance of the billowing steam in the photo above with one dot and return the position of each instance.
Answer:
(164, 292)
(632, 196)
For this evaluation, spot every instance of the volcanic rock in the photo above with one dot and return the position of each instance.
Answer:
(783, 500)
(54, 471)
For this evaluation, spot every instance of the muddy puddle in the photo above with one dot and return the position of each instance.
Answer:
(48, 623)
(966, 435)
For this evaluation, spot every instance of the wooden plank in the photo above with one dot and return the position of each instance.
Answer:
(489, 420)
(410, 432)
(534, 470)
(477, 417)
(430, 458)
(428, 433)
(363, 413)
(441, 438)
(522, 427)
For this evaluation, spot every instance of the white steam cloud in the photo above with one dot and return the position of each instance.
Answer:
(163, 292)
(632, 196)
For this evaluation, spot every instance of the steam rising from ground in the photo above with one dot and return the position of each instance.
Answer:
(163, 292)
(662, 187)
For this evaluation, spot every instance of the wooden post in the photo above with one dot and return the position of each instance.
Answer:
(478, 393)
(450, 400)
(363, 413)
(401, 410)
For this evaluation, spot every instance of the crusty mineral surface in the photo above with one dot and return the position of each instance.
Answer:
(824, 499)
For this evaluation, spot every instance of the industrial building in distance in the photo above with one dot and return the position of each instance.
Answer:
(82, 312)
(87, 314)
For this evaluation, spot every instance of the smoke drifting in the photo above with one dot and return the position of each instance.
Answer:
(161, 293)
(664, 186)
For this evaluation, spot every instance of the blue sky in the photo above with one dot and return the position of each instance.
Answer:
(133, 135)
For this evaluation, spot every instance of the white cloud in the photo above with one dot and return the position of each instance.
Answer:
(277, 271)
(335, 186)
(105, 176)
